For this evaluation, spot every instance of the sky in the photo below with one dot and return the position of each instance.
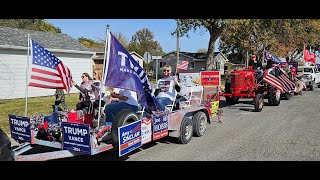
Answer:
(162, 28)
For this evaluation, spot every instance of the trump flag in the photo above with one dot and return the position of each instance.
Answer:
(122, 71)
(47, 71)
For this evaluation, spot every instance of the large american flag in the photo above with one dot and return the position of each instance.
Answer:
(47, 71)
(279, 79)
(182, 65)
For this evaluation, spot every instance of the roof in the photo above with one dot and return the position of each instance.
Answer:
(15, 37)
(200, 56)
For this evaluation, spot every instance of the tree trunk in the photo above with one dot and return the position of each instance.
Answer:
(210, 64)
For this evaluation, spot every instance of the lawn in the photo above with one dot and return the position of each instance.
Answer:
(36, 106)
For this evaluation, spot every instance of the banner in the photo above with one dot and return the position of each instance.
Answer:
(76, 137)
(210, 78)
(160, 126)
(146, 131)
(309, 56)
(20, 128)
(129, 137)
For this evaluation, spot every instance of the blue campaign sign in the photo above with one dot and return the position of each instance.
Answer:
(20, 128)
(76, 137)
(129, 137)
(160, 126)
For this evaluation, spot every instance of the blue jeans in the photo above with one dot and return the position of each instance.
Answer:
(163, 101)
(114, 108)
(260, 73)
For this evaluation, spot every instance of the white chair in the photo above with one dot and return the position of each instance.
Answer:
(192, 97)
(169, 107)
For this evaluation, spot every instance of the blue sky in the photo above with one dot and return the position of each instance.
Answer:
(162, 28)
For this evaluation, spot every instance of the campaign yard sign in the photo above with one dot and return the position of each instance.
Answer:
(146, 131)
(210, 78)
(76, 137)
(129, 137)
(20, 128)
(160, 126)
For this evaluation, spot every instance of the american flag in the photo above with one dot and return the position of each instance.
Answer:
(182, 65)
(279, 79)
(47, 71)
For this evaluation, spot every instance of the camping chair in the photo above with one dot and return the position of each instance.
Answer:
(169, 107)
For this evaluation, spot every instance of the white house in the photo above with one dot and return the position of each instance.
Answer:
(13, 59)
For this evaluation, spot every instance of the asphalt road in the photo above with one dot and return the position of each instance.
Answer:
(288, 132)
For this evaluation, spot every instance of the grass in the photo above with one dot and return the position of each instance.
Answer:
(36, 106)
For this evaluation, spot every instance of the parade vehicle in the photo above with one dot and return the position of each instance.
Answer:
(128, 132)
(244, 84)
(312, 76)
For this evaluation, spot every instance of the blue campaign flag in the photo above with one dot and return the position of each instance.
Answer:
(272, 57)
(122, 71)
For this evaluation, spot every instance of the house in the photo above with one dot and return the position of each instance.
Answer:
(197, 61)
(13, 59)
(99, 56)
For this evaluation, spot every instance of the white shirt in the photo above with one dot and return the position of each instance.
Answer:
(166, 86)
(132, 96)
(103, 90)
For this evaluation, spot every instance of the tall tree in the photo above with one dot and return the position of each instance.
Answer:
(122, 39)
(202, 50)
(143, 41)
(91, 43)
(213, 26)
(32, 24)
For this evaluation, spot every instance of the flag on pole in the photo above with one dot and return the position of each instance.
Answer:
(279, 79)
(308, 56)
(182, 65)
(47, 71)
(271, 56)
(122, 71)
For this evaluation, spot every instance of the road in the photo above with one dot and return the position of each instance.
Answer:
(288, 132)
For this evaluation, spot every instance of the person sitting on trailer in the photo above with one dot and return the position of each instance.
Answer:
(120, 99)
(165, 90)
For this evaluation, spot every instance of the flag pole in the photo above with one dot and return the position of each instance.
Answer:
(177, 46)
(104, 70)
(27, 76)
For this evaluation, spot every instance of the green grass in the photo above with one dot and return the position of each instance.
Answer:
(36, 106)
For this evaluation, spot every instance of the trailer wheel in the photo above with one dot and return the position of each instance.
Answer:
(199, 123)
(186, 131)
(124, 117)
(6, 153)
(258, 102)
(311, 87)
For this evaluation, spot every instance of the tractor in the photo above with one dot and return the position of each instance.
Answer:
(244, 84)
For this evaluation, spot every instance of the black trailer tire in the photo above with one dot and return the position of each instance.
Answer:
(186, 130)
(199, 123)
(258, 102)
(124, 117)
(311, 87)
(6, 153)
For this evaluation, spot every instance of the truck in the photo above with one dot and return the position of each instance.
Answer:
(312, 76)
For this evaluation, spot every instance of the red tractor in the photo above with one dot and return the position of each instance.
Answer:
(244, 83)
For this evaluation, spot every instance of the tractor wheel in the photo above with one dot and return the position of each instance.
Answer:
(274, 96)
(199, 123)
(231, 100)
(277, 98)
(186, 130)
(124, 117)
(258, 102)
(287, 96)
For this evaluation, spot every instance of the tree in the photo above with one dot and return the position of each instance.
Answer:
(91, 43)
(31, 24)
(122, 39)
(143, 41)
(202, 50)
(213, 26)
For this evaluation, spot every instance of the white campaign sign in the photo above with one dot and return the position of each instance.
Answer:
(146, 130)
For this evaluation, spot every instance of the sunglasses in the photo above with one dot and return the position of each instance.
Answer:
(166, 70)
(82, 77)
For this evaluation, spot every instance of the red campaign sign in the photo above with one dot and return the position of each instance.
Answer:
(210, 78)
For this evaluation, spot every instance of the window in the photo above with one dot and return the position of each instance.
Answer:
(162, 64)
(192, 65)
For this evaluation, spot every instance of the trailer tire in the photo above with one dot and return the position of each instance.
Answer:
(258, 102)
(311, 87)
(199, 123)
(124, 117)
(6, 153)
(186, 131)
